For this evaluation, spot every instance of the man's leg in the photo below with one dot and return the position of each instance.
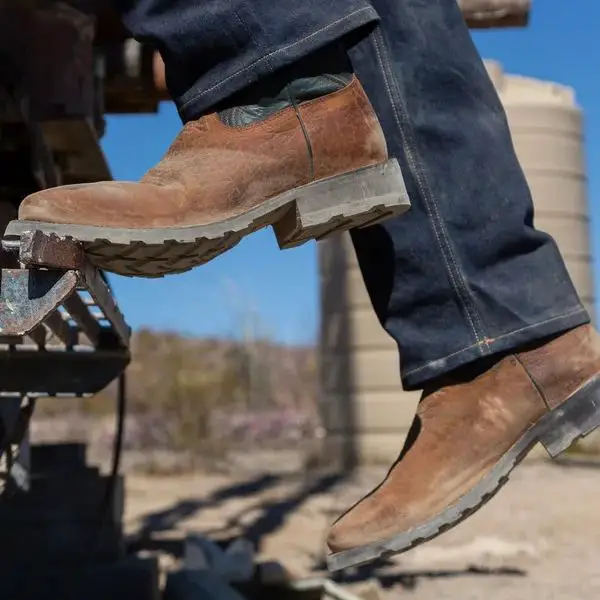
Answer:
(477, 299)
(466, 273)
(279, 132)
(215, 48)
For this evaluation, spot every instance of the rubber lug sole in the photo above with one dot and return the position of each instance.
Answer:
(556, 431)
(314, 211)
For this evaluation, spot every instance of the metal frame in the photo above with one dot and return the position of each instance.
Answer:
(61, 331)
(61, 334)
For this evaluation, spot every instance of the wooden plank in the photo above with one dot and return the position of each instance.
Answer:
(495, 13)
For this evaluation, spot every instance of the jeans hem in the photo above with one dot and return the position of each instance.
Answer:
(197, 101)
(415, 378)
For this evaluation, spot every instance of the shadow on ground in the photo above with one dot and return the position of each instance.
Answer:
(272, 514)
(271, 517)
(389, 575)
(168, 519)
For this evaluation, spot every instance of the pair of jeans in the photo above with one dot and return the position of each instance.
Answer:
(464, 274)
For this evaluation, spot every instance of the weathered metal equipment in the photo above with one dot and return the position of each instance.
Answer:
(62, 67)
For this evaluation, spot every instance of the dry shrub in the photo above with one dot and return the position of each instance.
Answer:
(183, 392)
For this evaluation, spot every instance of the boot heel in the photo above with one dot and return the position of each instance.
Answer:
(356, 199)
(574, 419)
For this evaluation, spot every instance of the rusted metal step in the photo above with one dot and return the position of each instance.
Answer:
(61, 331)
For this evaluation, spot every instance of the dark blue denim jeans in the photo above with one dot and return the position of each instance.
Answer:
(214, 48)
(463, 274)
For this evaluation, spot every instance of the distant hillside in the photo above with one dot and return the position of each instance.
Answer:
(185, 391)
(169, 367)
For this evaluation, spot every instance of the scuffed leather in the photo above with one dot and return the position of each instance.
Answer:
(461, 431)
(213, 171)
(560, 367)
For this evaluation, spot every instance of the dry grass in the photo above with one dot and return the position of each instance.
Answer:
(198, 397)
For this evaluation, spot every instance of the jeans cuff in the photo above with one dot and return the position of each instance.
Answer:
(197, 100)
(416, 378)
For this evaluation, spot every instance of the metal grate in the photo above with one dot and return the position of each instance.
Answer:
(61, 331)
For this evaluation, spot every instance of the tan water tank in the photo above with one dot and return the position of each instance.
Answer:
(365, 412)
(546, 126)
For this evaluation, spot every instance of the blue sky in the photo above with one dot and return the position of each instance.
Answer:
(279, 290)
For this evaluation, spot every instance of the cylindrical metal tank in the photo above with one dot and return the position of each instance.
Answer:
(546, 126)
(364, 410)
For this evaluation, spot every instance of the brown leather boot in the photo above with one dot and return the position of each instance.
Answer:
(465, 440)
(312, 161)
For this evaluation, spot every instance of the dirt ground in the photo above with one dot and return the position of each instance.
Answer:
(539, 538)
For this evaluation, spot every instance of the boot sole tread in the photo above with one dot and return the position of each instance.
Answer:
(314, 211)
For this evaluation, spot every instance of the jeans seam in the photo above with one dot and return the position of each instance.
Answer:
(489, 342)
(267, 57)
(436, 221)
(252, 37)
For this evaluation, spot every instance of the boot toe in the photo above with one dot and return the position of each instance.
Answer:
(342, 536)
(365, 523)
(80, 204)
(47, 206)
